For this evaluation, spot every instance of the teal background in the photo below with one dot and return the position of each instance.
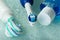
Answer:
(36, 32)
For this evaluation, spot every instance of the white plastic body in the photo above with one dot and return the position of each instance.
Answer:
(46, 16)
(4, 11)
(29, 11)
(28, 8)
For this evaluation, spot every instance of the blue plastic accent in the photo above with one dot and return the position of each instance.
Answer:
(42, 6)
(57, 2)
(25, 1)
(32, 18)
(56, 9)
(51, 1)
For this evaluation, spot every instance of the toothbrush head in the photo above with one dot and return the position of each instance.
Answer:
(26, 1)
(32, 18)
(13, 28)
(9, 32)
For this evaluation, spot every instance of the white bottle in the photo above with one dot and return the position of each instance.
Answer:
(46, 16)
(49, 10)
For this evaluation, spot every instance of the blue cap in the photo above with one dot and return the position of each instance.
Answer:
(42, 6)
(47, 3)
(25, 1)
(32, 18)
(56, 9)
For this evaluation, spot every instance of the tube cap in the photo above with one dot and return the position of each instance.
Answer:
(46, 16)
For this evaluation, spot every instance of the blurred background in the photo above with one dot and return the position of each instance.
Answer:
(37, 32)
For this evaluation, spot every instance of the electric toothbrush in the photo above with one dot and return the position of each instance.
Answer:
(5, 15)
(27, 5)
(49, 11)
